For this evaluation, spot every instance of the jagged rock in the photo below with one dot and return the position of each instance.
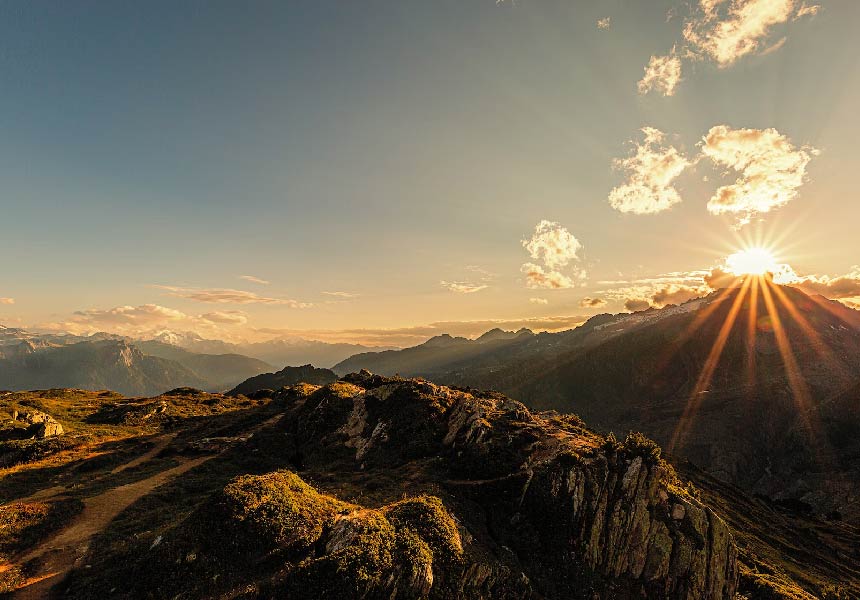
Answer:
(42, 425)
(469, 495)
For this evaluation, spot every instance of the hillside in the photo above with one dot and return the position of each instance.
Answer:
(285, 377)
(219, 371)
(103, 365)
(370, 487)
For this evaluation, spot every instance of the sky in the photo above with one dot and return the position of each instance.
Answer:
(379, 172)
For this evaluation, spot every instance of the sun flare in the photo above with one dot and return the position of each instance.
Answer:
(752, 261)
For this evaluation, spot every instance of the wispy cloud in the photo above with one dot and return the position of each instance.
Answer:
(228, 296)
(771, 168)
(539, 301)
(726, 31)
(462, 287)
(7, 300)
(145, 314)
(651, 172)
(225, 317)
(662, 74)
(253, 279)
(341, 295)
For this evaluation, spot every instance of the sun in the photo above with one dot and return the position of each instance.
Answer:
(752, 261)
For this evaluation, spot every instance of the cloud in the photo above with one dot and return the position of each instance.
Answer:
(604, 23)
(663, 74)
(225, 317)
(841, 286)
(342, 295)
(7, 300)
(552, 244)
(637, 304)
(228, 296)
(538, 300)
(651, 171)
(728, 30)
(771, 167)
(145, 314)
(462, 287)
(592, 303)
(807, 10)
(412, 335)
(537, 278)
(677, 294)
(253, 279)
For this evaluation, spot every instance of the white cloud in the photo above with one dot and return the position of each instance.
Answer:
(771, 168)
(604, 23)
(537, 278)
(552, 244)
(726, 31)
(538, 300)
(7, 300)
(651, 171)
(253, 279)
(663, 74)
(228, 296)
(462, 287)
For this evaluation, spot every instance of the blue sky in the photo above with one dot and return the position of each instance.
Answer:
(378, 149)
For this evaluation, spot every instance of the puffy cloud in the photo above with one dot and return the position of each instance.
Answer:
(727, 30)
(538, 300)
(677, 294)
(228, 296)
(651, 171)
(537, 278)
(663, 74)
(253, 279)
(462, 287)
(7, 300)
(604, 23)
(225, 317)
(637, 304)
(771, 167)
(409, 336)
(592, 303)
(552, 244)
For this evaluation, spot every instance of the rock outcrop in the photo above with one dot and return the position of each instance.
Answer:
(453, 494)
(42, 425)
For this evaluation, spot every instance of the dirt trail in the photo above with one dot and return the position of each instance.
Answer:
(55, 557)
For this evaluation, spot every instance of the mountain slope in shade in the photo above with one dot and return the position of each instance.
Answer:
(219, 371)
(285, 377)
(113, 365)
(771, 412)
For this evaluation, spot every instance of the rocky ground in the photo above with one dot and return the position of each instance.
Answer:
(367, 487)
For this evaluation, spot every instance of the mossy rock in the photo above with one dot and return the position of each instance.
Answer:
(430, 520)
(277, 510)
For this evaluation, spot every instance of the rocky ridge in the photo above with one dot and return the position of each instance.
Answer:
(426, 491)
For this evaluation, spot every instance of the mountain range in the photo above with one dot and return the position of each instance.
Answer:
(757, 384)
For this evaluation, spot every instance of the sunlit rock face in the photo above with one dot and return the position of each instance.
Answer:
(427, 491)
